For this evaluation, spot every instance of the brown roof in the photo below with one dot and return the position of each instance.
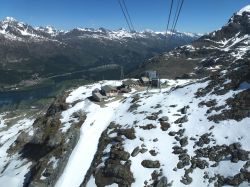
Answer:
(129, 82)
(98, 95)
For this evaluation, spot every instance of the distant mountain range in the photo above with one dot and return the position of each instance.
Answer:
(26, 51)
(12, 29)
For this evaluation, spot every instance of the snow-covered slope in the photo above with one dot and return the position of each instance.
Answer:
(13, 168)
(169, 133)
(12, 29)
(192, 132)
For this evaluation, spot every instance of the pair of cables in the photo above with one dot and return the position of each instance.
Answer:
(176, 18)
(126, 15)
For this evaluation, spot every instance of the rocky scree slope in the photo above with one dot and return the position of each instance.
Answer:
(45, 51)
(210, 52)
(194, 135)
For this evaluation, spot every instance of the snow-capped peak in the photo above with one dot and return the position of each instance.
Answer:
(50, 29)
(9, 19)
(85, 29)
(245, 9)
(13, 29)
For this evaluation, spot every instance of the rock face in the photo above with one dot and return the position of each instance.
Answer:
(48, 143)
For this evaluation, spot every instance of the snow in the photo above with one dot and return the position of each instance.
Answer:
(50, 29)
(234, 41)
(9, 19)
(13, 168)
(237, 46)
(98, 118)
(245, 9)
(181, 97)
(14, 177)
(2, 120)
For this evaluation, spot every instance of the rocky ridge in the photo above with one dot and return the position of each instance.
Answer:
(209, 53)
(43, 146)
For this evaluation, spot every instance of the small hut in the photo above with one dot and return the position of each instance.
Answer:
(145, 80)
(97, 96)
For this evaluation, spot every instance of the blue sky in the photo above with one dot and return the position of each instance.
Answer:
(197, 16)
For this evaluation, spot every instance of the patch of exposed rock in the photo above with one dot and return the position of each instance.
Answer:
(116, 165)
(151, 164)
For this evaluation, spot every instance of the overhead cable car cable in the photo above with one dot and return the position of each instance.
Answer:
(169, 18)
(170, 12)
(129, 18)
(177, 18)
(124, 14)
(178, 14)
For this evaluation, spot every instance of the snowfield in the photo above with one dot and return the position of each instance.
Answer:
(12, 167)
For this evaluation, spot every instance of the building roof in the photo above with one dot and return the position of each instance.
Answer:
(98, 95)
(108, 88)
(96, 90)
(145, 79)
(129, 82)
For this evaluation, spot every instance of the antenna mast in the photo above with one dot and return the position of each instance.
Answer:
(122, 73)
